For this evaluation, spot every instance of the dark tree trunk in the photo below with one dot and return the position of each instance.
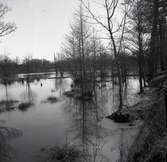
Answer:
(162, 34)
(165, 97)
(154, 39)
(140, 55)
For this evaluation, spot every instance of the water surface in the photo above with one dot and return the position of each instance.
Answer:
(67, 121)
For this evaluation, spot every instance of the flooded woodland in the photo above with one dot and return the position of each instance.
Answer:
(83, 81)
(57, 119)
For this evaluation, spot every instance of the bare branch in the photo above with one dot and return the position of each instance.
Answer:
(93, 15)
(5, 28)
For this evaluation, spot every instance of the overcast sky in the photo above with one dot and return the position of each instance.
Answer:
(42, 25)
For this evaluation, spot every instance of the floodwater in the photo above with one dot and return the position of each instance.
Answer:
(68, 121)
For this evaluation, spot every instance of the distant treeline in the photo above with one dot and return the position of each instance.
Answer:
(9, 66)
(102, 62)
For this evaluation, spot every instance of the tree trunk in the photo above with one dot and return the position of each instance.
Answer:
(161, 44)
(153, 45)
(165, 98)
(140, 55)
(120, 88)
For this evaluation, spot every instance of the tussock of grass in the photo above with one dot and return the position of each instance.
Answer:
(65, 153)
(24, 106)
(52, 99)
(69, 93)
(120, 117)
(7, 152)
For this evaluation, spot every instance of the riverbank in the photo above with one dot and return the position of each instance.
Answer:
(150, 144)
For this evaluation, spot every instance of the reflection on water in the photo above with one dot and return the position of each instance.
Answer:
(68, 120)
(87, 130)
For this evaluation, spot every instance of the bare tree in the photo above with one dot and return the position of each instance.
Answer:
(110, 8)
(71, 48)
(77, 46)
(5, 28)
(136, 36)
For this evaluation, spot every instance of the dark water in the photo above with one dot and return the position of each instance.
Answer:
(67, 121)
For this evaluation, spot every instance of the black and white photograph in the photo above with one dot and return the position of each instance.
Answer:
(83, 80)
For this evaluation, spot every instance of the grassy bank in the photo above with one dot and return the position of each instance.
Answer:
(151, 143)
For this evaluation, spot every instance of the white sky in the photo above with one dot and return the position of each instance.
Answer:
(42, 25)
